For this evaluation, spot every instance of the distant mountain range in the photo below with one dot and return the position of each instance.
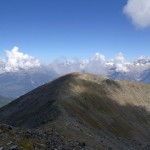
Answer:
(17, 83)
(14, 84)
(92, 110)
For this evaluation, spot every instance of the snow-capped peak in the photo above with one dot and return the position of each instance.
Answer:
(143, 60)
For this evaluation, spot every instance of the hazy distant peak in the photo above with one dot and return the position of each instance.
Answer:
(143, 60)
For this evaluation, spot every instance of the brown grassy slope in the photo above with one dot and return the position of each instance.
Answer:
(120, 108)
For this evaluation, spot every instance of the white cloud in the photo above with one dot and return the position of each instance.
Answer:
(97, 64)
(64, 66)
(98, 57)
(16, 60)
(120, 63)
(139, 12)
(119, 58)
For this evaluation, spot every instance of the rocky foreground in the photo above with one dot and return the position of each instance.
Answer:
(27, 139)
(32, 139)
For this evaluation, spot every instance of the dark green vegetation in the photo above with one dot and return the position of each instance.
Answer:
(98, 111)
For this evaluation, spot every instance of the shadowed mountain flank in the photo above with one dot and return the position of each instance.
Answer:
(93, 104)
(4, 100)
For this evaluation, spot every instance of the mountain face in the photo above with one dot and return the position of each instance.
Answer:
(4, 101)
(15, 84)
(133, 75)
(145, 76)
(84, 106)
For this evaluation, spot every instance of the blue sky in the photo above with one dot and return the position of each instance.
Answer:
(49, 29)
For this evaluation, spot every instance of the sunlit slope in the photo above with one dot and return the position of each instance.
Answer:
(119, 108)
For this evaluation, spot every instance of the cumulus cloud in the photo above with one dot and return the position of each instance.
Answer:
(16, 60)
(64, 66)
(97, 64)
(98, 57)
(120, 63)
(119, 58)
(139, 12)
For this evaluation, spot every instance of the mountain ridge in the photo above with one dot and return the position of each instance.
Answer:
(17, 83)
(84, 106)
